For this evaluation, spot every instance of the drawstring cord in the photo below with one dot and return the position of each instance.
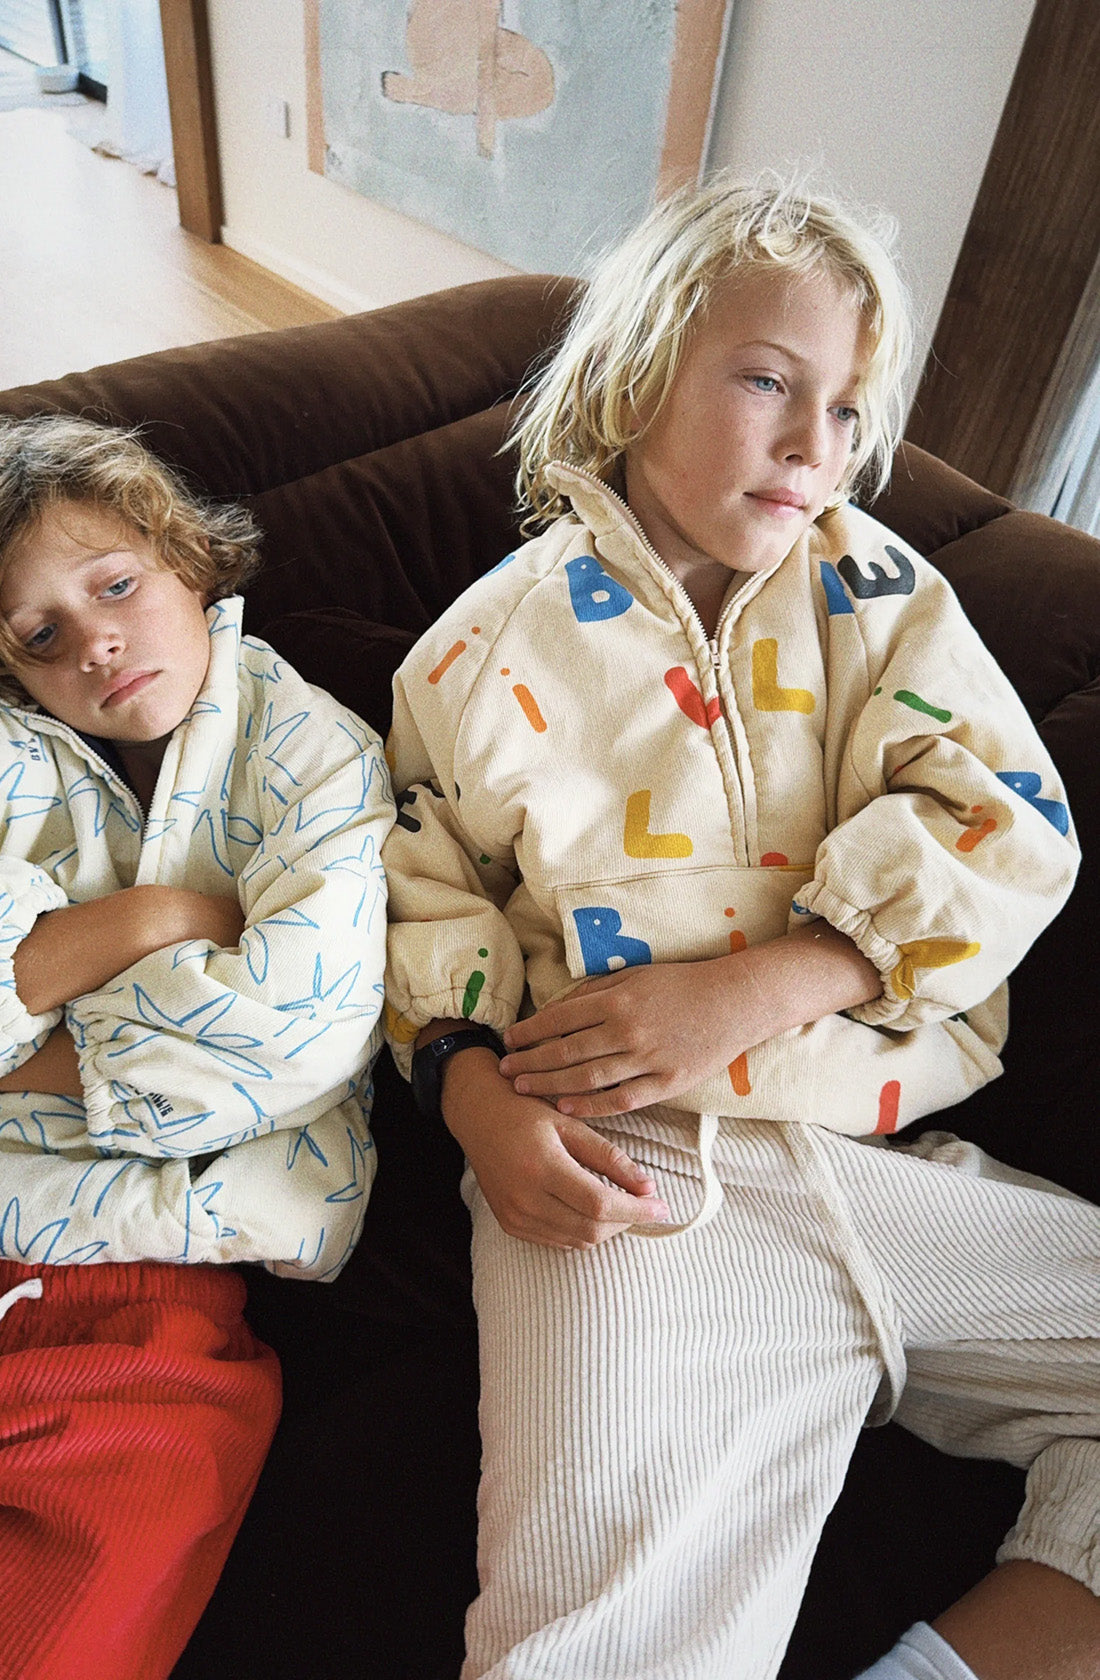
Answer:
(712, 1187)
(29, 1291)
(808, 1152)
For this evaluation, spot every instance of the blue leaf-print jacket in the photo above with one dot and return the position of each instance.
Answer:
(226, 1092)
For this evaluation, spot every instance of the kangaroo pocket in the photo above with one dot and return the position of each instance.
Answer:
(836, 1072)
(677, 915)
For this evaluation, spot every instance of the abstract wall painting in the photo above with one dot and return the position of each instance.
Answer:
(535, 130)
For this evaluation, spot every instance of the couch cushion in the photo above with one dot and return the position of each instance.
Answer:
(394, 534)
(930, 504)
(245, 414)
(353, 658)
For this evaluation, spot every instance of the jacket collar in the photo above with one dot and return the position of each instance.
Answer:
(619, 538)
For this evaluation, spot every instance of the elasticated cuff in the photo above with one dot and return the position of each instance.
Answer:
(817, 900)
(403, 1024)
(99, 1105)
(1059, 1524)
(104, 1112)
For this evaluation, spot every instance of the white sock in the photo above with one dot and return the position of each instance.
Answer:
(920, 1654)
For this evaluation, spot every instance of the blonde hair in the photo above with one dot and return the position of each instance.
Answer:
(54, 458)
(624, 344)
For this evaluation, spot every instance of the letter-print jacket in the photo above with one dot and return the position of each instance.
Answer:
(586, 781)
(226, 1092)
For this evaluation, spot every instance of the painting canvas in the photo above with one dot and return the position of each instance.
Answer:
(536, 130)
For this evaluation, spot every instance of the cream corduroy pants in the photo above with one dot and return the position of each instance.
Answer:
(666, 1422)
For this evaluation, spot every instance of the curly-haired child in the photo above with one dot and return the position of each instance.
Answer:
(192, 926)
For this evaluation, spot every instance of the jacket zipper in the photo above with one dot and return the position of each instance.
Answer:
(713, 649)
(55, 727)
(712, 641)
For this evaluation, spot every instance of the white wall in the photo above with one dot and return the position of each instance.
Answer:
(332, 242)
(892, 102)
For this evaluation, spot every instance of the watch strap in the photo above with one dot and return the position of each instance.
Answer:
(429, 1062)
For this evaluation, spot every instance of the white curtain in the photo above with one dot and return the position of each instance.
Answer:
(1059, 472)
(136, 125)
(1078, 501)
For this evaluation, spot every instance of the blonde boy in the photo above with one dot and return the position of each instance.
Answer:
(717, 810)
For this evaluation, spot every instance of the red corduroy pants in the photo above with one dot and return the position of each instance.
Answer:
(136, 1410)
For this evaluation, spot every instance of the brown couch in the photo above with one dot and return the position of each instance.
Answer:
(367, 448)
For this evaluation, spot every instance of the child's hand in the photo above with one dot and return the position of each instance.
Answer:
(536, 1168)
(645, 1034)
(627, 1039)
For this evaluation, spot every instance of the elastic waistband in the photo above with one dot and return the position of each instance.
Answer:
(209, 1288)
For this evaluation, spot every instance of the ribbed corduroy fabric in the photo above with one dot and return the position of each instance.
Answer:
(136, 1410)
(667, 1424)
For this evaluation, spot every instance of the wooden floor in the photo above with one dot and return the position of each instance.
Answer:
(95, 267)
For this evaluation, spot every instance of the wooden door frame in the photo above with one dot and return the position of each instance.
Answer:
(1030, 248)
(186, 31)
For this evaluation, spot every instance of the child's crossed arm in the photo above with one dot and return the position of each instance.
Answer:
(81, 947)
(615, 1044)
(643, 1035)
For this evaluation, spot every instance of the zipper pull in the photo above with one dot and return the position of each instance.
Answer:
(715, 652)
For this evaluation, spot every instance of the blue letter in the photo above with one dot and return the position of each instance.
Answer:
(603, 948)
(594, 595)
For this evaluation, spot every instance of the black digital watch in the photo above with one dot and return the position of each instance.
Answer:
(428, 1064)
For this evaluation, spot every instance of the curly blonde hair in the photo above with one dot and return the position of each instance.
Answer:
(625, 342)
(54, 458)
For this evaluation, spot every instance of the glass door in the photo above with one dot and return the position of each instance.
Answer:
(86, 31)
(32, 28)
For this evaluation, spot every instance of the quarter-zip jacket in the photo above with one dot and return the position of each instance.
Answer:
(587, 781)
(225, 1091)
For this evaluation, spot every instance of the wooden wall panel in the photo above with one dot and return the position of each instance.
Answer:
(1029, 250)
(186, 33)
